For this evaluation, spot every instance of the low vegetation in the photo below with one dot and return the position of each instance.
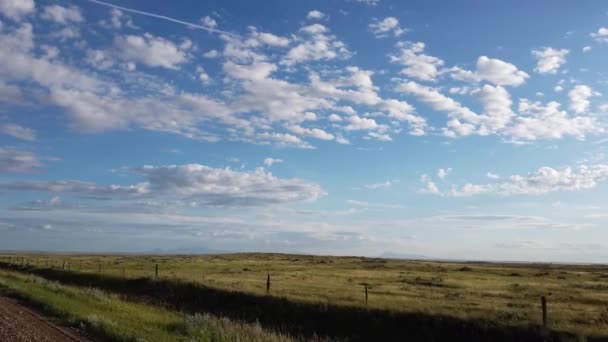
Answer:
(107, 316)
(501, 294)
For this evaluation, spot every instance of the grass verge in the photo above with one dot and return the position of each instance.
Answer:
(108, 317)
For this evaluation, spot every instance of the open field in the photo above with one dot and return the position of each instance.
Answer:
(507, 294)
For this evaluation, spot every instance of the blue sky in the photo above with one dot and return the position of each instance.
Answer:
(466, 129)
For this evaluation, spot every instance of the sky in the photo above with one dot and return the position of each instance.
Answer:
(462, 130)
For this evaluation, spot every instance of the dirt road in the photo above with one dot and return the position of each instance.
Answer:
(19, 324)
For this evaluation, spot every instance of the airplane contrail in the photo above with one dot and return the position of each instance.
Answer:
(162, 17)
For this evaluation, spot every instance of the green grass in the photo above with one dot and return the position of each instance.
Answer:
(505, 293)
(108, 316)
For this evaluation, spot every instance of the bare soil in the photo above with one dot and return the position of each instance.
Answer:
(20, 324)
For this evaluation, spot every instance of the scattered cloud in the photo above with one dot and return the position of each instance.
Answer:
(314, 14)
(601, 35)
(271, 161)
(17, 131)
(542, 181)
(206, 186)
(549, 60)
(62, 15)
(443, 173)
(382, 28)
(150, 50)
(375, 186)
(492, 70)
(16, 9)
(418, 65)
(17, 161)
(579, 98)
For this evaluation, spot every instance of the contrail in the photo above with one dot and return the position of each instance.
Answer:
(158, 16)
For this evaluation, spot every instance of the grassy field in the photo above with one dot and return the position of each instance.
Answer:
(104, 315)
(505, 293)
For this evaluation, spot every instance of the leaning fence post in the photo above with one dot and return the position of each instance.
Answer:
(365, 294)
(156, 271)
(268, 284)
(543, 301)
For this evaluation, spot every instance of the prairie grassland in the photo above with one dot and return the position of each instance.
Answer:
(106, 316)
(505, 293)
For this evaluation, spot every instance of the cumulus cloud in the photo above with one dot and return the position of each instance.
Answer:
(544, 180)
(62, 15)
(194, 182)
(601, 35)
(316, 44)
(492, 70)
(382, 28)
(549, 60)
(443, 173)
(17, 161)
(16, 9)
(209, 22)
(579, 98)
(418, 65)
(314, 14)
(17, 131)
(150, 50)
(270, 161)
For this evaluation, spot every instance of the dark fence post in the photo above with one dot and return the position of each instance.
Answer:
(365, 294)
(543, 301)
(156, 271)
(268, 284)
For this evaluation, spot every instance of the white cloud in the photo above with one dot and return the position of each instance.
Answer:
(443, 173)
(202, 75)
(579, 98)
(18, 161)
(369, 2)
(586, 49)
(310, 132)
(429, 186)
(209, 22)
(255, 71)
(382, 28)
(150, 50)
(314, 45)
(193, 182)
(314, 14)
(375, 186)
(119, 20)
(440, 102)
(271, 39)
(62, 15)
(549, 60)
(335, 118)
(211, 54)
(492, 175)
(270, 161)
(15, 9)
(542, 181)
(18, 131)
(418, 65)
(547, 121)
(601, 35)
(358, 123)
(492, 70)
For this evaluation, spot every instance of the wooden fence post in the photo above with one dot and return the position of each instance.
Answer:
(365, 294)
(268, 284)
(156, 271)
(543, 301)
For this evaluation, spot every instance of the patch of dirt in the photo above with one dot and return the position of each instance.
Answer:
(19, 324)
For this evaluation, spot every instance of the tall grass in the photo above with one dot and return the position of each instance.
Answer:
(107, 316)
